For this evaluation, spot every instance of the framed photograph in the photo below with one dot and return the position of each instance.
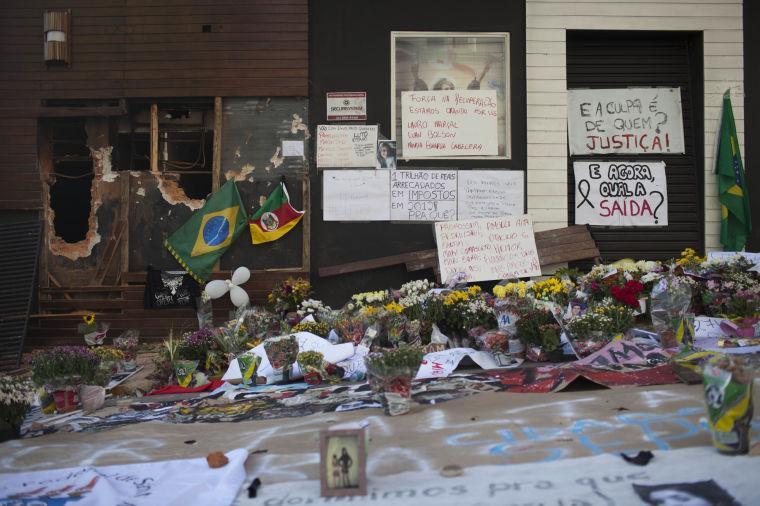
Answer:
(343, 462)
(386, 154)
(461, 86)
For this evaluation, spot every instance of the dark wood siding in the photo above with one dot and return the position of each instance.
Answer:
(140, 48)
(603, 59)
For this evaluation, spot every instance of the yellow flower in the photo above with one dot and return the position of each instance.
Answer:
(455, 297)
(500, 291)
(474, 290)
(89, 319)
(394, 307)
(368, 310)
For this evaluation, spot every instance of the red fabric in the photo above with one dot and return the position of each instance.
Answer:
(176, 389)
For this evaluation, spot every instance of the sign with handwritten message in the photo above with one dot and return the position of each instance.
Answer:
(448, 123)
(490, 193)
(487, 249)
(423, 195)
(355, 195)
(621, 194)
(625, 120)
(346, 145)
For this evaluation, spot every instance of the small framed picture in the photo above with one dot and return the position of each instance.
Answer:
(386, 154)
(343, 462)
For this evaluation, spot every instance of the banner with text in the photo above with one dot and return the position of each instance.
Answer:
(448, 123)
(625, 120)
(423, 195)
(621, 194)
(487, 249)
(490, 193)
(346, 145)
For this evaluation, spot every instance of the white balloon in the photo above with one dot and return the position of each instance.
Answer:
(241, 276)
(217, 288)
(238, 296)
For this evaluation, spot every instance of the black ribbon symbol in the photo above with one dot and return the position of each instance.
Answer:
(585, 193)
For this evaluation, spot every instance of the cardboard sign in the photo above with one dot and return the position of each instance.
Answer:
(490, 193)
(449, 123)
(423, 195)
(356, 195)
(625, 120)
(347, 106)
(621, 194)
(346, 145)
(487, 249)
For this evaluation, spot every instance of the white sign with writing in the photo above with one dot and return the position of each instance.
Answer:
(449, 123)
(621, 194)
(346, 145)
(624, 120)
(490, 193)
(347, 106)
(487, 249)
(423, 195)
(356, 195)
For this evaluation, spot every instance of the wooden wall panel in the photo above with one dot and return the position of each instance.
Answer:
(140, 49)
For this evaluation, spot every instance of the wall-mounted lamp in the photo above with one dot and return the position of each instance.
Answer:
(57, 25)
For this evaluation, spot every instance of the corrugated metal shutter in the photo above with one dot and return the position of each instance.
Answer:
(606, 59)
(18, 268)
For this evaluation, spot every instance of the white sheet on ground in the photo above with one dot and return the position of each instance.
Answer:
(440, 364)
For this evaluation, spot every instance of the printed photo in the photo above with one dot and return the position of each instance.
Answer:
(386, 154)
(343, 462)
(699, 493)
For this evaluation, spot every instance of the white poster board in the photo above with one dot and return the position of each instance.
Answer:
(625, 120)
(490, 193)
(487, 249)
(449, 123)
(423, 195)
(621, 194)
(356, 195)
(346, 145)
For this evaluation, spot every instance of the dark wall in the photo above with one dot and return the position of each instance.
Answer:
(349, 50)
(752, 114)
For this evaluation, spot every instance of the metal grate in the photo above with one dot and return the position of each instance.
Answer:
(19, 250)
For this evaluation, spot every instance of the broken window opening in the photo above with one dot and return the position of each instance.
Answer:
(70, 191)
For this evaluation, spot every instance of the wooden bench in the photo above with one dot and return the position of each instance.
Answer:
(555, 246)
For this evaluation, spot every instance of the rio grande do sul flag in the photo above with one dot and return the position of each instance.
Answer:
(736, 223)
(275, 218)
(199, 243)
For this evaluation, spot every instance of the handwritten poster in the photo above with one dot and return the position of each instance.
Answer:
(423, 195)
(356, 195)
(490, 193)
(487, 249)
(346, 145)
(448, 123)
(621, 194)
(625, 120)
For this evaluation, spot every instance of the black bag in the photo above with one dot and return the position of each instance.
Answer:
(170, 289)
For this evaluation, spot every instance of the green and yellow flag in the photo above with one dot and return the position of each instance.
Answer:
(199, 243)
(732, 190)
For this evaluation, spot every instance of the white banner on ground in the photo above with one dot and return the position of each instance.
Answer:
(594, 481)
(188, 481)
(440, 364)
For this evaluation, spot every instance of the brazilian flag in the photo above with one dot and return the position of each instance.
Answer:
(199, 243)
(735, 223)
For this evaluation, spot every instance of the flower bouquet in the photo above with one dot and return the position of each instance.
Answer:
(16, 396)
(288, 295)
(63, 369)
(110, 358)
(94, 332)
(311, 364)
(316, 328)
(127, 344)
(390, 374)
(497, 342)
(282, 352)
(540, 331)
(671, 299)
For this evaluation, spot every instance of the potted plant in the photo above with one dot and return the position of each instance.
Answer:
(127, 343)
(390, 374)
(63, 370)
(110, 358)
(94, 332)
(16, 396)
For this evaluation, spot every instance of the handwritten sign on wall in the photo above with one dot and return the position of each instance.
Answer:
(423, 195)
(621, 194)
(487, 249)
(490, 193)
(625, 120)
(346, 145)
(449, 123)
(356, 195)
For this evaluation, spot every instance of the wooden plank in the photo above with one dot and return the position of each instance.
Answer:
(154, 138)
(216, 169)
